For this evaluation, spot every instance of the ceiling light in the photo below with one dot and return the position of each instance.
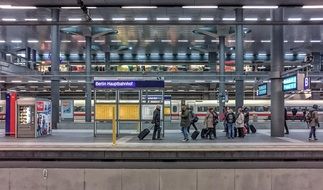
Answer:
(97, 19)
(99, 41)
(17, 7)
(182, 40)
(2, 41)
(48, 41)
(139, 7)
(32, 81)
(316, 19)
(231, 41)
(294, 19)
(16, 41)
(91, 7)
(9, 19)
(228, 19)
(66, 41)
(133, 41)
(199, 41)
(200, 7)
(184, 18)
(116, 41)
(31, 19)
(285, 41)
(312, 7)
(81, 41)
(17, 81)
(200, 81)
(262, 54)
(207, 18)
(119, 19)
(250, 41)
(162, 18)
(49, 19)
(166, 40)
(70, 7)
(2, 81)
(74, 19)
(81, 81)
(33, 41)
(315, 41)
(251, 19)
(141, 19)
(260, 7)
(302, 54)
(289, 54)
(147, 41)
(215, 41)
(47, 81)
(265, 41)
(298, 41)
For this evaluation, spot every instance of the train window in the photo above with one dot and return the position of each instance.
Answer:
(202, 109)
(79, 108)
(175, 109)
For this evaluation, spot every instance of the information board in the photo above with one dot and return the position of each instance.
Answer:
(104, 112)
(129, 112)
(262, 90)
(290, 83)
(307, 83)
(148, 110)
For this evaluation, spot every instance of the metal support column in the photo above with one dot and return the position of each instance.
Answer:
(27, 56)
(88, 90)
(212, 61)
(239, 84)
(222, 78)
(317, 62)
(33, 55)
(107, 60)
(277, 60)
(55, 68)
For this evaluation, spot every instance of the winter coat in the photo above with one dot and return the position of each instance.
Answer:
(240, 121)
(209, 120)
(156, 117)
(185, 118)
(315, 120)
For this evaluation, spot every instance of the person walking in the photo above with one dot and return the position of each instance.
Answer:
(156, 122)
(240, 123)
(313, 122)
(246, 119)
(185, 122)
(286, 127)
(230, 120)
(209, 122)
(193, 119)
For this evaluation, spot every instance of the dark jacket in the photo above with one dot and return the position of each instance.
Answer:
(185, 118)
(294, 111)
(286, 114)
(227, 119)
(156, 117)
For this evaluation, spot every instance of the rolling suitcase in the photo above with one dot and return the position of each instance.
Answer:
(195, 134)
(203, 133)
(252, 128)
(144, 133)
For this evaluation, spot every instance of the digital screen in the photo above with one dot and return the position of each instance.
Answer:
(262, 90)
(290, 83)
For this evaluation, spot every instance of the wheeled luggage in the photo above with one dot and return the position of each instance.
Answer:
(252, 128)
(195, 134)
(143, 133)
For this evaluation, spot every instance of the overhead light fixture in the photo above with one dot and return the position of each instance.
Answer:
(207, 19)
(148, 41)
(70, 7)
(249, 41)
(119, 19)
(289, 54)
(99, 41)
(302, 54)
(48, 41)
(162, 18)
(294, 19)
(285, 41)
(260, 7)
(199, 41)
(66, 41)
(32, 81)
(17, 7)
(251, 19)
(268, 19)
(75, 19)
(265, 41)
(115, 41)
(91, 7)
(9, 19)
(49, 19)
(316, 19)
(312, 7)
(31, 19)
(182, 40)
(83, 81)
(16, 81)
(215, 41)
(184, 18)
(97, 19)
(167, 41)
(200, 7)
(16, 41)
(33, 41)
(2, 41)
(132, 41)
(228, 19)
(139, 7)
(141, 19)
(315, 41)
(199, 81)
(231, 41)
(81, 41)
(299, 41)
(262, 54)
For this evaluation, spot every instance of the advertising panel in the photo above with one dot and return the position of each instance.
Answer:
(43, 118)
(67, 109)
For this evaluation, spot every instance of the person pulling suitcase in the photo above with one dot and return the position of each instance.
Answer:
(156, 122)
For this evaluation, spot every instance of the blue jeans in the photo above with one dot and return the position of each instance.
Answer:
(313, 132)
(230, 132)
(185, 132)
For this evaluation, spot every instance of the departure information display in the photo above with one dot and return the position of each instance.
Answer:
(262, 90)
(290, 83)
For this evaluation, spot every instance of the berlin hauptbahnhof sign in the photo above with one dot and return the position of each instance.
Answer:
(129, 84)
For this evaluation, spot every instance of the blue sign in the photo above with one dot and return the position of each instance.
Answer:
(307, 83)
(262, 90)
(290, 83)
(128, 84)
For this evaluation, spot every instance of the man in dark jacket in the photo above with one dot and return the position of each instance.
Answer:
(156, 122)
